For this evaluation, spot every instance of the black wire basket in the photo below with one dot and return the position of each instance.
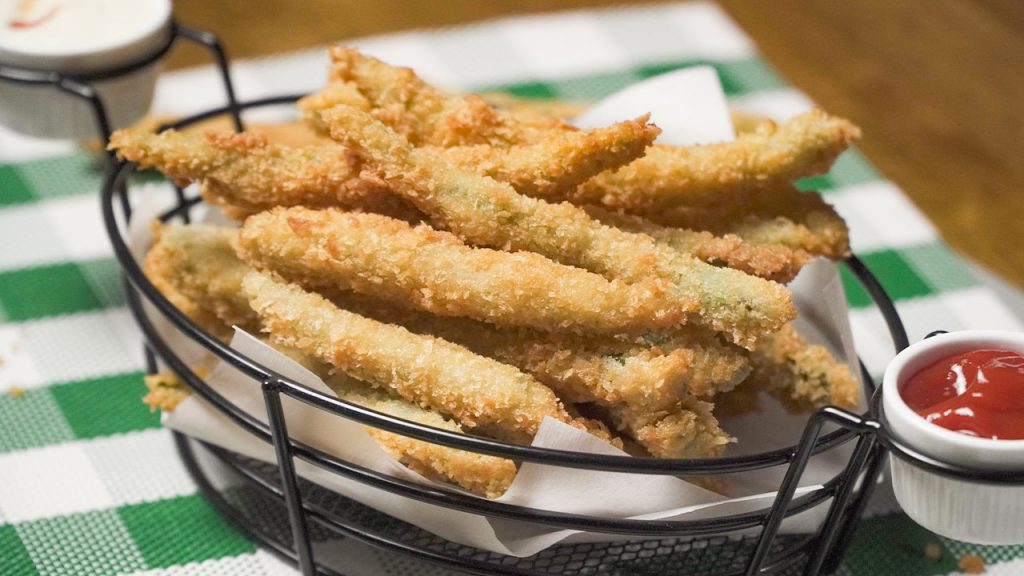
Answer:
(287, 514)
(702, 546)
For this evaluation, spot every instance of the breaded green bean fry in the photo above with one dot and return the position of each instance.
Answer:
(787, 365)
(425, 115)
(199, 262)
(713, 174)
(247, 174)
(678, 186)
(766, 260)
(490, 213)
(555, 166)
(785, 217)
(431, 372)
(480, 473)
(486, 475)
(689, 430)
(606, 371)
(644, 394)
(434, 271)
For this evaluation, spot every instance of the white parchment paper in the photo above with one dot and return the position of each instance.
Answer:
(688, 105)
(819, 297)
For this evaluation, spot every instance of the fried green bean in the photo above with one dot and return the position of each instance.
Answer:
(785, 364)
(490, 213)
(722, 173)
(689, 430)
(787, 217)
(198, 262)
(434, 271)
(646, 391)
(246, 173)
(422, 113)
(553, 167)
(428, 371)
(768, 260)
(607, 371)
(486, 475)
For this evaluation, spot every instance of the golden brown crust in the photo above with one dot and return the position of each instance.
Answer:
(782, 216)
(486, 475)
(728, 172)
(248, 173)
(164, 391)
(197, 264)
(677, 186)
(429, 371)
(482, 474)
(772, 261)
(426, 115)
(685, 429)
(566, 303)
(434, 271)
(558, 164)
(690, 431)
(165, 267)
(487, 212)
(787, 365)
(536, 110)
(584, 369)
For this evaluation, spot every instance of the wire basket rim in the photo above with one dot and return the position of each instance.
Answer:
(186, 448)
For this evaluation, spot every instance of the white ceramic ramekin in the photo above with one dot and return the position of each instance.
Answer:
(976, 512)
(45, 111)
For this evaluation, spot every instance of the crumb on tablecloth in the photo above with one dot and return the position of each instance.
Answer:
(972, 564)
(165, 391)
(933, 551)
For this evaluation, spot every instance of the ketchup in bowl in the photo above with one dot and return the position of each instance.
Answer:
(980, 393)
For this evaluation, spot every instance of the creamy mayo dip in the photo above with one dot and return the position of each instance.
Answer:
(80, 35)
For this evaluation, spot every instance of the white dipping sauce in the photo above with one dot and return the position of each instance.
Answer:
(80, 35)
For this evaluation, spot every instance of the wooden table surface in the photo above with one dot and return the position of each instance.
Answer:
(937, 86)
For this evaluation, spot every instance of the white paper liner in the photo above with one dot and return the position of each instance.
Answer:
(688, 105)
(818, 295)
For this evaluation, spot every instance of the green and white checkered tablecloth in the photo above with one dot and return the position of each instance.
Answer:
(90, 483)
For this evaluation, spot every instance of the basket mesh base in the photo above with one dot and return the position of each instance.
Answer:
(337, 524)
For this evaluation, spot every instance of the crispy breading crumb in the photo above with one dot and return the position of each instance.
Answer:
(972, 564)
(933, 551)
(166, 391)
(15, 391)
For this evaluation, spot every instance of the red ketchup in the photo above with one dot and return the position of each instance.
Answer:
(980, 393)
(18, 23)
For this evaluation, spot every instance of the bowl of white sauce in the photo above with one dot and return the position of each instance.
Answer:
(79, 38)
